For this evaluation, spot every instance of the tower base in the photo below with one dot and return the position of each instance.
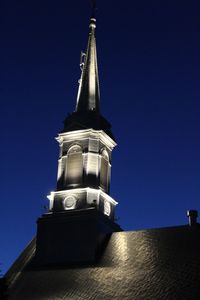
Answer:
(72, 236)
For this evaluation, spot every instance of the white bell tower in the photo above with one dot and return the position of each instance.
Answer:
(81, 213)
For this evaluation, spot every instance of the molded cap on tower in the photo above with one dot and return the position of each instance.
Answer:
(192, 216)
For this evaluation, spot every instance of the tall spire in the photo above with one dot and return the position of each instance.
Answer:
(88, 94)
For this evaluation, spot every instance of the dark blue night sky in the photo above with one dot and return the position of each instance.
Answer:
(149, 65)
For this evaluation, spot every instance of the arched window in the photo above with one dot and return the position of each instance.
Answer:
(74, 170)
(104, 170)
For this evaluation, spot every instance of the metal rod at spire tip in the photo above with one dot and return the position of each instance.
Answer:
(94, 8)
(93, 13)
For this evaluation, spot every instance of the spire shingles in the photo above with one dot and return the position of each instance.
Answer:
(88, 94)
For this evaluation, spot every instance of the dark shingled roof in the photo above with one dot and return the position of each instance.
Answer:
(149, 264)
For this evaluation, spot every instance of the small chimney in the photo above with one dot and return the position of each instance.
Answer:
(192, 217)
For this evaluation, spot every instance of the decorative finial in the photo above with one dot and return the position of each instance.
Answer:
(92, 23)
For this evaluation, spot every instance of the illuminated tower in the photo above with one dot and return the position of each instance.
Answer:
(86, 145)
(81, 210)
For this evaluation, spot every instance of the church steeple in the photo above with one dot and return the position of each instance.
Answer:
(81, 211)
(86, 144)
(88, 94)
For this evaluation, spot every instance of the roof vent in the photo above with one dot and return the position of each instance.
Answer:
(192, 217)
